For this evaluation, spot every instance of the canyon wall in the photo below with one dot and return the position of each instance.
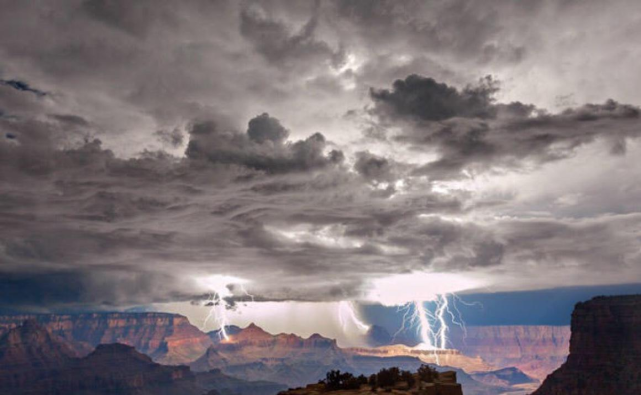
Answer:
(605, 350)
(535, 349)
(167, 338)
(35, 362)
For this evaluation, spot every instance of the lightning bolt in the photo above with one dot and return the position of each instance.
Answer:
(432, 324)
(346, 315)
(218, 313)
(221, 291)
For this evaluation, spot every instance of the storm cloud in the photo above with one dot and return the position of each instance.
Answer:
(313, 147)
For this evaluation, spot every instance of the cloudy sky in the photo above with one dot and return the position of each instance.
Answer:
(315, 151)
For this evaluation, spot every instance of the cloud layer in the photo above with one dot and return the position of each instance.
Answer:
(309, 148)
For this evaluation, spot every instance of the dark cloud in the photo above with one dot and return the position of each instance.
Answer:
(471, 132)
(374, 167)
(97, 197)
(22, 86)
(265, 128)
(278, 45)
(173, 138)
(261, 148)
(425, 99)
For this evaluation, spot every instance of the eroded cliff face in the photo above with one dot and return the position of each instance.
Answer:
(167, 338)
(35, 362)
(605, 350)
(535, 349)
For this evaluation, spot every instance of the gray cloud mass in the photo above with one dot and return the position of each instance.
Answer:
(313, 147)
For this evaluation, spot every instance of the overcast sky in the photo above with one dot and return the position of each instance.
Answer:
(315, 150)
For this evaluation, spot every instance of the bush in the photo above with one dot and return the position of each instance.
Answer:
(335, 380)
(388, 377)
(427, 373)
(408, 377)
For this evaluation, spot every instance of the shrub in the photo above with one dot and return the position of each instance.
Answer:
(335, 380)
(408, 377)
(388, 377)
(427, 373)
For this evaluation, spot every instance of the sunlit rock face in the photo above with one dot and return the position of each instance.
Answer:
(443, 357)
(254, 354)
(166, 338)
(535, 349)
(605, 350)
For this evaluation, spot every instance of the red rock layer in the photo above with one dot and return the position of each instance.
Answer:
(535, 349)
(35, 362)
(167, 338)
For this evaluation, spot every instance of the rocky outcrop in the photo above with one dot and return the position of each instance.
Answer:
(506, 377)
(29, 353)
(35, 362)
(166, 338)
(605, 350)
(535, 349)
(254, 354)
(447, 357)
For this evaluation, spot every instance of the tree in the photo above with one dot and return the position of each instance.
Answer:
(335, 380)
(388, 377)
(427, 373)
(408, 378)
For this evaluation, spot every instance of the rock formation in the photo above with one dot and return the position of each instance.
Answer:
(166, 338)
(535, 349)
(35, 362)
(605, 350)
(253, 354)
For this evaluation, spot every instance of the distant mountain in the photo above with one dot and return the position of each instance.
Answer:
(166, 338)
(605, 350)
(254, 354)
(504, 377)
(35, 362)
(230, 330)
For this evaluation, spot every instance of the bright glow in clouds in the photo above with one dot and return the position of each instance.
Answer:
(301, 318)
(220, 288)
(397, 290)
(412, 291)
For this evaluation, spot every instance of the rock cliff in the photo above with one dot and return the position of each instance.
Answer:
(535, 349)
(35, 362)
(254, 354)
(166, 338)
(605, 350)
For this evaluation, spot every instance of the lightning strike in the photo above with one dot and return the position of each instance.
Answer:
(347, 315)
(220, 289)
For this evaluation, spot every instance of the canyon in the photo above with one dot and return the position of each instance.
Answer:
(166, 338)
(252, 354)
(534, 349)
(33, 361)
